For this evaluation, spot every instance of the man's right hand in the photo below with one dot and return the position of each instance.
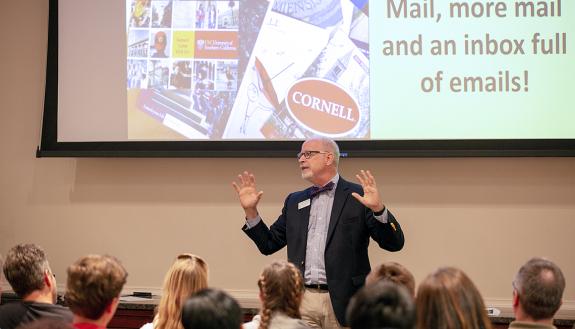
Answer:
(249, 196)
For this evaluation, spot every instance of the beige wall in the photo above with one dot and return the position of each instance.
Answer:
(485, 215)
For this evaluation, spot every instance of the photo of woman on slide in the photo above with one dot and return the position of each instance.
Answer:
(160, 44)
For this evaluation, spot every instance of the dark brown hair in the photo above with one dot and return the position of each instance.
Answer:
(383, 304)
(211, 309)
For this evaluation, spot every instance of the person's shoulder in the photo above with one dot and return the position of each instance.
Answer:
(149, 325)
(47, 306)
(529, 325)
(12, 308)
(11, 314)
(298, 195)
(345, 184)
(254, 324)
(47, 309)
(282, 321)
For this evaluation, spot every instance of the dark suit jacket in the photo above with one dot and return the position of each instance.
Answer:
(346, 257)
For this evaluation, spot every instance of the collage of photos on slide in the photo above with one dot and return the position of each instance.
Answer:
(182, 66)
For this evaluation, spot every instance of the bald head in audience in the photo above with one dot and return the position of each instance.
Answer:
(537, 292)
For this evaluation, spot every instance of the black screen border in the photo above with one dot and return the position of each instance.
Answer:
(50, 147)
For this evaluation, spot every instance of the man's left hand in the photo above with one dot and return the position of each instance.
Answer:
(370, 198)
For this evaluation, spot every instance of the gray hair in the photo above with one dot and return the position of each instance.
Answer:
(329, 145)
(540, 284)
(24, 268)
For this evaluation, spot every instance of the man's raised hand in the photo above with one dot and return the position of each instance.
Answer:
(370, 198)
(248, 194)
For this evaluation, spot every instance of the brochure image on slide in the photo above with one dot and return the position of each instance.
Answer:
(298, 55)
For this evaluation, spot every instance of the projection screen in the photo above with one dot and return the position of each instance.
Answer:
(256, 77)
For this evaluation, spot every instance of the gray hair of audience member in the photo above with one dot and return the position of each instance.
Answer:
(24, 268)
(329, 145)
(539, 284)
(394, 272)
(47, 323)
(383, 304)
(211, 309)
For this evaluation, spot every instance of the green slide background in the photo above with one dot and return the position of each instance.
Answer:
(401, 110)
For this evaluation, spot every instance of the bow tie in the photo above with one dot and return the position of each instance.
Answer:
(314, 190)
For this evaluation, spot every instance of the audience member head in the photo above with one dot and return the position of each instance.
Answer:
(28, 272)
(538, 290)
(211, 309)
(394, 272)
(281, 290)
(47, 323)
(448, 299)
(187, 275)
(382, 304)
(93, 288)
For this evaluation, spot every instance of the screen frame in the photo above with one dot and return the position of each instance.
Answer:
(50, 147)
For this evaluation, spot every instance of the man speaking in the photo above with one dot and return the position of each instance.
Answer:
(326, 229)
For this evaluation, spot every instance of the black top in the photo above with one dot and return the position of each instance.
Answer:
(16, 313)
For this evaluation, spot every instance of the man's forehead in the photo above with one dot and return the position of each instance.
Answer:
(312, 145)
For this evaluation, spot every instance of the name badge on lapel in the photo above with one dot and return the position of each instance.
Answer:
(303, 204)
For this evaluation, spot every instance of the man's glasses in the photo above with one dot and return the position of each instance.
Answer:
(309, 154)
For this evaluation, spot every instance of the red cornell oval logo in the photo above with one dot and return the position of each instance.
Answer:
(323, 107)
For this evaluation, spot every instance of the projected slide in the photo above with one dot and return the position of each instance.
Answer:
(349, 69)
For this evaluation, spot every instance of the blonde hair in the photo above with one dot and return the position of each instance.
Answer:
(281, 287)
(187, 275)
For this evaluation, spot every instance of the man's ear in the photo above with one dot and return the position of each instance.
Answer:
(48, 278)
(515, 301)
(330, 158)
